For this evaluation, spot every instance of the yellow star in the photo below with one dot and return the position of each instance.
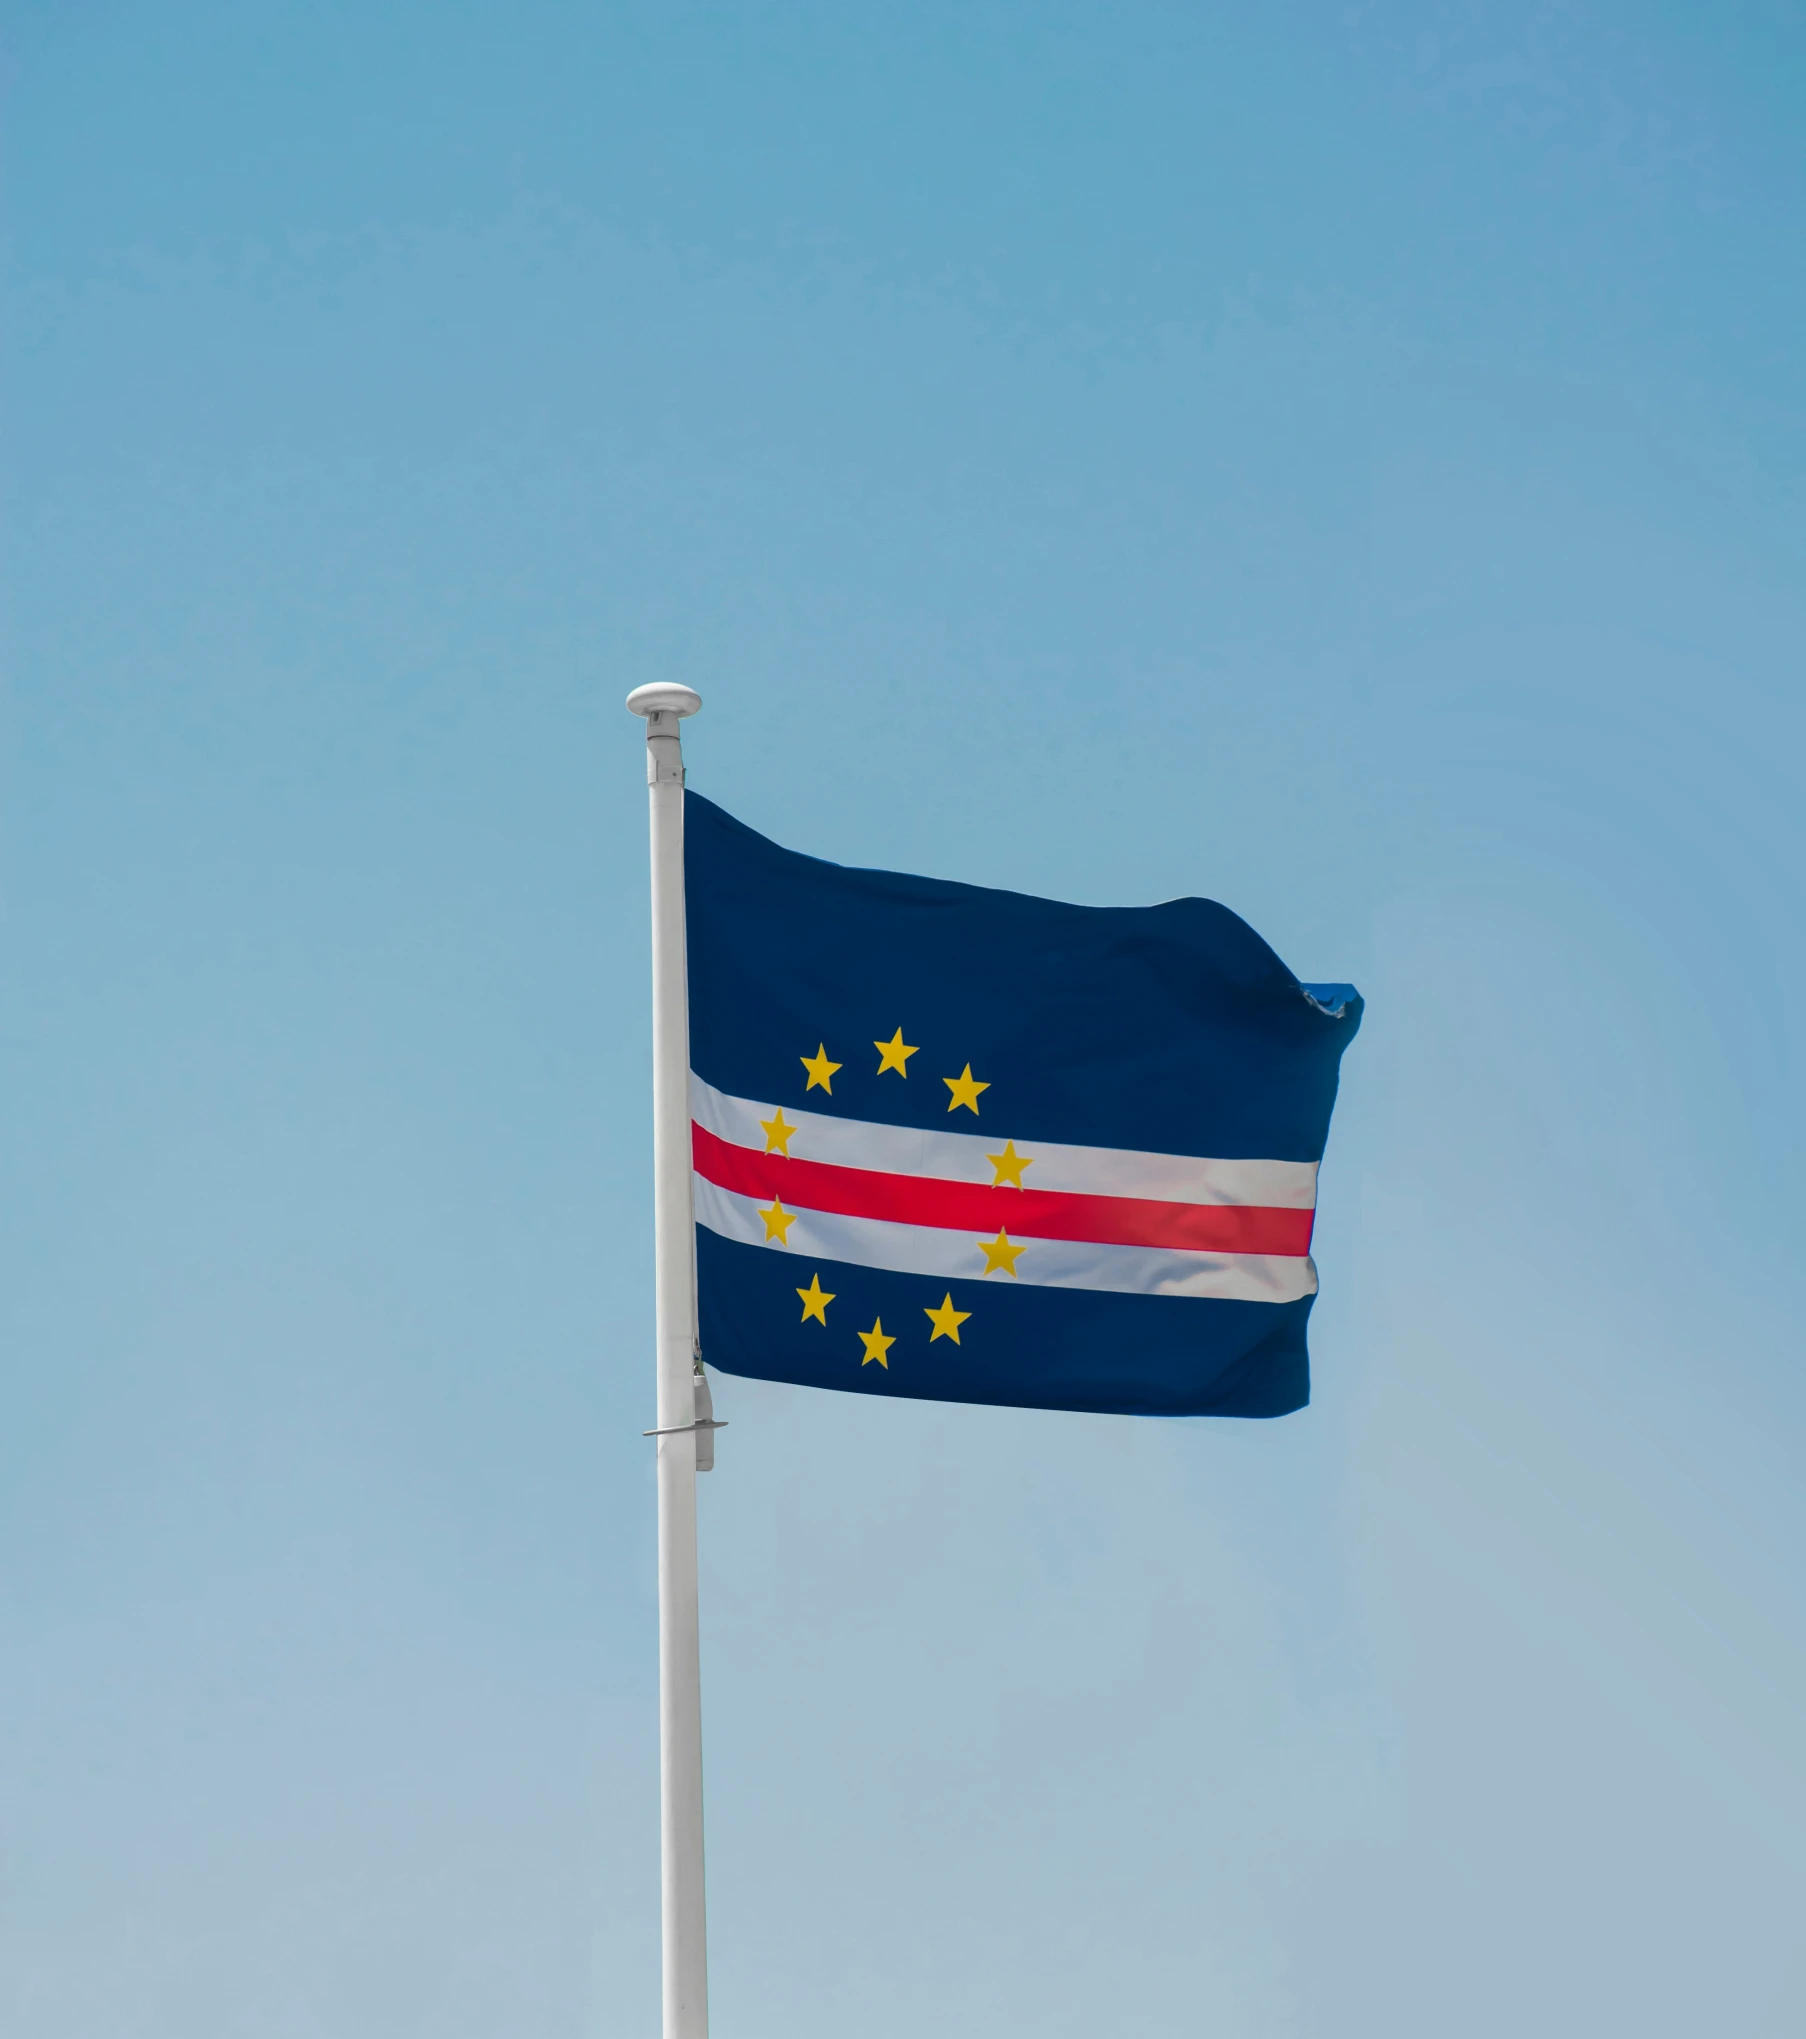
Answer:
(892, 1054)
(815, 1303)
(998, 1253)
(965, 1088)
(877, 1345)
(778, 1222)
(777, 1135)
(946, 1320)
(1009, 1164)
(820, 1069)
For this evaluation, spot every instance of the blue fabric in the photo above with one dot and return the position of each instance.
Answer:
(1170, 1028)
(1028, 1347)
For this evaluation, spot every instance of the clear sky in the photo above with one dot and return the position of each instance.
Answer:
(1346, 460)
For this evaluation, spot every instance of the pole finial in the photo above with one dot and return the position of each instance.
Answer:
(664, 697)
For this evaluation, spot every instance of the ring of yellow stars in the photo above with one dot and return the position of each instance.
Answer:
(777, 1134)
(892, 1054)
(1009, 1165)
(815, 1303)
(965, 1088)
(820, 1069)
(998, 1253)
(778, 1222)
(946, 1320)
(877, 1345)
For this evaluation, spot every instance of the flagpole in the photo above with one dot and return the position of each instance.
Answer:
(686, 1973)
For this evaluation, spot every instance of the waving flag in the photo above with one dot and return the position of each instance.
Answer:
(963, 1144)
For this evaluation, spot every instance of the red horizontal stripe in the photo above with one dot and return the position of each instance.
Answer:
(1023, 1213)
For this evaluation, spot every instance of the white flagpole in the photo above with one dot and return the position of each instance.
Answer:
(686, 1969)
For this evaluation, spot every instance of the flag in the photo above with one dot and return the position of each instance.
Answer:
(972, 1146)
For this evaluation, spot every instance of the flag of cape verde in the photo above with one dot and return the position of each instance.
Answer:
(964, 1144)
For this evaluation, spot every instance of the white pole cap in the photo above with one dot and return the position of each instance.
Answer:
(664, 697)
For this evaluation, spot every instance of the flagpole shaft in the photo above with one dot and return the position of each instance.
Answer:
(686, 1981)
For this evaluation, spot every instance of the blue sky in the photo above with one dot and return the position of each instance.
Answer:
(1346, 461)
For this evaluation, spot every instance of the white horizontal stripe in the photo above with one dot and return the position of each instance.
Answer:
(1044, 1263)
(960, 1157)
